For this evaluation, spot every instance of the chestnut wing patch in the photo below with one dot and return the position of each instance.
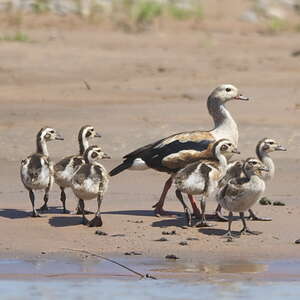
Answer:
(175, 155)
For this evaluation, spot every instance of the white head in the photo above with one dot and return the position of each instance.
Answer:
(227, 92)
(93, 154)
(223, 147)
(88, 132)
(48, 134)
(253, 166)
(267, 145)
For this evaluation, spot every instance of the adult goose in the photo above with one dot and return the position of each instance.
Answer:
(91, 181)
(201, 177)
(240, 194)
(37, 169)
(172, 153)
(263, 149)
(65, 169)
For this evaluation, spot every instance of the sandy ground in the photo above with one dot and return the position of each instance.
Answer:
(144, 87)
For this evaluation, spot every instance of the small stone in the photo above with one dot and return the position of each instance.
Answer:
(118, 235)
(278, 203)
(43, 252)
(173, 232)
(132, 253)
(171, 256)
(183, 243)
(265, 201)
(161, 69)
(162, 240)
(297, 241)
(100, 232)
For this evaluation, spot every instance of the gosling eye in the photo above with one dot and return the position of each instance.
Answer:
(228, 90)
(271, 143)
(224, 148)
(94, 155)
(52, 131)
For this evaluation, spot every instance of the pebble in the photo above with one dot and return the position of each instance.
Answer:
(100, 232)
(183, 243)
(162, 240)
(278, 203)
(265, 201)
(132, 253)
(173, 232)
(297, 241)
(171, 256)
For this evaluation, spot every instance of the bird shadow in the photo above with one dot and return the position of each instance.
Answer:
(216, 231)
(145, 213)
(177, 222)
(62, 221)
(10, 213)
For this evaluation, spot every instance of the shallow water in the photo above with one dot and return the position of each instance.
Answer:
(71, 279)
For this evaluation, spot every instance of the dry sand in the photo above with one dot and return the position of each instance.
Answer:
(144, 87)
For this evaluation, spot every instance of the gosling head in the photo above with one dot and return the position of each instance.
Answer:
(94, 154)
(224, 147)
(49, 134)
(227, 92)
(253, 166)
(268, 145)
(88, 132)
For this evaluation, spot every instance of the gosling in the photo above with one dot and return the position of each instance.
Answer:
(37, 169)
(201, 177)
(65, 169)
(241, 193)
(91, 181)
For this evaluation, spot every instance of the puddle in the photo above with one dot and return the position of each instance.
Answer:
(74, 279)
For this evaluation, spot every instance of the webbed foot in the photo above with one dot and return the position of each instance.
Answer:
(96, 222)
(246, 231)
(219, 216)
(44, 208)
(254, 217)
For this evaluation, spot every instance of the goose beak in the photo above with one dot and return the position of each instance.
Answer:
(106, 156)
(280, 148)
(241, 97)
(59, 137)
(98, 135)
(236, 151)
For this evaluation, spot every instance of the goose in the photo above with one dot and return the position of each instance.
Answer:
(37, 169)
(91, 181)
(65, 169)
(240, 194)
(263, 148)
(176, 151)
(201, 177)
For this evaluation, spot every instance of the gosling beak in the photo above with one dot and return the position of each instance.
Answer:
(98, 135)
(59, 137)
(241, 97)
(263, 168)
(236, 151)
(106, 156)
(280, 148)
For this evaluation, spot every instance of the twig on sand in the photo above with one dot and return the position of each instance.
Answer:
(142, 276)
(87, 85)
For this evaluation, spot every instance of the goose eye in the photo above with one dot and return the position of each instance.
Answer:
(224, 147)
(228, 89)
(52, 131)
(271, 143)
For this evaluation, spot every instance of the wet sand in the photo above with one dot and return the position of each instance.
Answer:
(144, 87)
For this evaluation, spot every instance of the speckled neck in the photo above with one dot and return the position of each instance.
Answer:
(41, 146)
(83, 143)
(268, 162)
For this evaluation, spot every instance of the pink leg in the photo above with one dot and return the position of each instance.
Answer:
(196, 210)
(159, 211)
